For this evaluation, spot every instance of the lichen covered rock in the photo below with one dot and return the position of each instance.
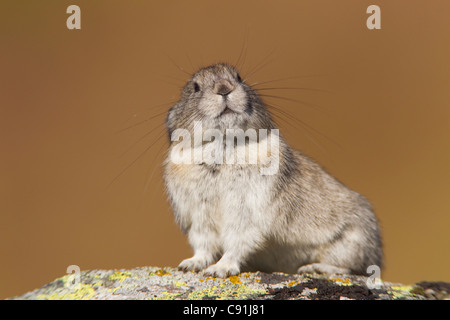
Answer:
(168, 284)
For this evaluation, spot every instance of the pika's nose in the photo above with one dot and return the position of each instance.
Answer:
(223, 87)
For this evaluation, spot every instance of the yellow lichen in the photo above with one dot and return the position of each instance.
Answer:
(82, 292)
(399, 292)
(224, 292)
(292, 283)
(342, 282)
(241, 292)
(168, 296)
(402, 288)
(119, 275)
(200, 294)
(162, 272)
(180, 284)
(234, 279)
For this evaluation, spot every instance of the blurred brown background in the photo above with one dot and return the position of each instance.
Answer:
(380, 125)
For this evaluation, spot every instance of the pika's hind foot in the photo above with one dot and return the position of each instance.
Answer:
(322, 268)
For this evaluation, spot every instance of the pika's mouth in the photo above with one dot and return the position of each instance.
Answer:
(227, 110)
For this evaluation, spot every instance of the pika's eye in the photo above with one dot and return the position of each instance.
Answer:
(239, 78)
(196, 87)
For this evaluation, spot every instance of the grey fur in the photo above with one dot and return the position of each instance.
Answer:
(298, 220)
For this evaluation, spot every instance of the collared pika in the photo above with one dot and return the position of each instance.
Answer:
(298, 219)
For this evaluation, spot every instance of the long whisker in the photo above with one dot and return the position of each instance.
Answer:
(243, 49)
(284, 79)
(179, 67)
(314, 106)
(190, 62)
(287, 117)
(143, 121)
(292, 88)
(260, 65)
(282, 116)
(304, 124)
(140, 139)
(151, 176)
(154, 169)
(176, 85)
(135, 160)
(173, 78)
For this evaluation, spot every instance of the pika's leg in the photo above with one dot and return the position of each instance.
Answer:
(226, 266)
(322, 268)
(351, 254)
(239, 241)
(205, 242)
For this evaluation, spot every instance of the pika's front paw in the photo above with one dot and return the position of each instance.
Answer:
(222, 270)
(194, 264)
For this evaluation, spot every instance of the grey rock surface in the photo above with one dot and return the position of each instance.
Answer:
(168, 283)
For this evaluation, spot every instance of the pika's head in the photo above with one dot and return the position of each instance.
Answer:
(220, 98)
